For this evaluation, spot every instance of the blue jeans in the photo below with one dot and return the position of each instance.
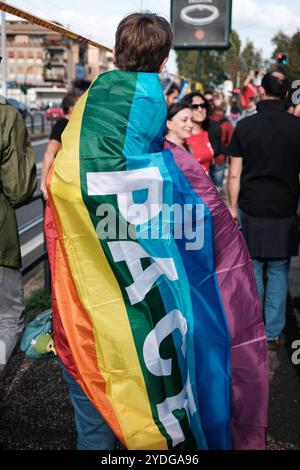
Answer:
(273, 294)
(92, 431)
(217, 173)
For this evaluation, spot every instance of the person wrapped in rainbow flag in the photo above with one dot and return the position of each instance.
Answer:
(155, 308)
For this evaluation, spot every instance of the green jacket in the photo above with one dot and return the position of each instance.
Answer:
(17, 180)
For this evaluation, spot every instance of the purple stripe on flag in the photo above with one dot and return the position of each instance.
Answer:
(249, 359)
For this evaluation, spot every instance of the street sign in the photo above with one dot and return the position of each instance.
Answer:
(201, 24)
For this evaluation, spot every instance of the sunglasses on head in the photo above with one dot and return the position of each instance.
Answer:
(197, 106)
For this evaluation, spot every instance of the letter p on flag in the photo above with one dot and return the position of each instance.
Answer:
(123, 184)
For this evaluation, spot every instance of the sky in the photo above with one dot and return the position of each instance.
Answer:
(257, 20)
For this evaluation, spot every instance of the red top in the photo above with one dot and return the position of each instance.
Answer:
(249, 91)
(202, 149)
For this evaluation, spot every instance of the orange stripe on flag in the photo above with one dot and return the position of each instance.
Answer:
(70, 309)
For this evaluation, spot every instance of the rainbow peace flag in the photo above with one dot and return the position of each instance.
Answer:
(163, 333)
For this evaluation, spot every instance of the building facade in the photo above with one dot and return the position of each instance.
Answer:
(98, 62)
(39, 57)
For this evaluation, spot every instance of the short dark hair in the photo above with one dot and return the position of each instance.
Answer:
(274, 85)
(68, 102)
(172, 88)
(80, 86)
(176, 108)
(143, 42)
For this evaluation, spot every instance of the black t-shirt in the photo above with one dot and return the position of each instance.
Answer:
(58, 129)
(269, 143)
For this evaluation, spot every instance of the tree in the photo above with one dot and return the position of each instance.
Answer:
(291, 46)
(232, 61)
(211, 66)
(251, 58)
(217, 66)
(294, 57)
(186, 62)
(282, 43)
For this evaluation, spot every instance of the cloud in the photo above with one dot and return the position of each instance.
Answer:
(260, 22)
(269, 16)
(102, 29)
(98, 28)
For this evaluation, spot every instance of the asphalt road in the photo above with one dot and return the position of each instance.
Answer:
(35, 410)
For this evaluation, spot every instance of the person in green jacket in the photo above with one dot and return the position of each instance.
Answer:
(17, 184)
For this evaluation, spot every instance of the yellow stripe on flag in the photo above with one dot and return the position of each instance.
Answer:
(101, 298)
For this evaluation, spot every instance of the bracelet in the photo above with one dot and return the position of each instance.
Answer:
(184, 15)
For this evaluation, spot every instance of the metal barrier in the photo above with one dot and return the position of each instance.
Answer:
(42, 118)
(33, 125)
(30, 116)
(44, 256)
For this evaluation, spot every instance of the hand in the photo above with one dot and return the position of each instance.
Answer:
(234, 213)
(44, 192)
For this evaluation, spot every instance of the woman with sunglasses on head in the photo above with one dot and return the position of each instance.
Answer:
(205, 140)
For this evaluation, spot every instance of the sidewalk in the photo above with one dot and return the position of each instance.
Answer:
(35, 411)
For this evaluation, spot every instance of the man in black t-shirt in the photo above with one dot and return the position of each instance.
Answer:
(59, 127)
(54, 143)
(263, 182)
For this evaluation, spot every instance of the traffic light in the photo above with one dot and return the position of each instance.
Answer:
(282, 58)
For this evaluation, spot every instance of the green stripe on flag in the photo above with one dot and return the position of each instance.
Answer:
(103, 135)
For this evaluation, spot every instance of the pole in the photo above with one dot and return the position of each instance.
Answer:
(238, 79)
(198, 67)
(3, 53)
(48, 25)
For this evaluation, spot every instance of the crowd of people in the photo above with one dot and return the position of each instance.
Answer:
(261, 151)
(263, 183)
(211, 131)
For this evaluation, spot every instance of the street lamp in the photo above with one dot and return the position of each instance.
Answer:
(3, 53)
(24, 86)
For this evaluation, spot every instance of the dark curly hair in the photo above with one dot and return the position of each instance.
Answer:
(188, 99)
